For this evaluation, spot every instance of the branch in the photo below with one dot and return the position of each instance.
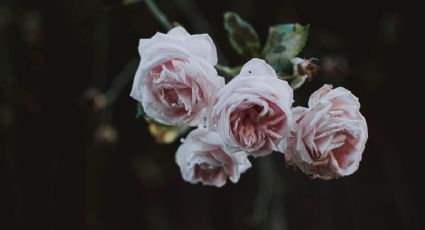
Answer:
(120, 81)
(159, 15)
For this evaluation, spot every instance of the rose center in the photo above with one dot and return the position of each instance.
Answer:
(255, 125)
(172, 85)
(206, 171)
(245, 125)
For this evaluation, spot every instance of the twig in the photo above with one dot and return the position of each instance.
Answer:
(159, 15)
(120, 81)
(117, 85)
(199, 23)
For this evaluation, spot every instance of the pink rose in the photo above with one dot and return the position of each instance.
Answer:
(253, 111)
(176, 77)
(203, 158)
(329, 137)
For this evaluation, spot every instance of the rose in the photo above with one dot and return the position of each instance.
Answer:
(203, 158)
(329, 137)
(176, 78)
(253, 111)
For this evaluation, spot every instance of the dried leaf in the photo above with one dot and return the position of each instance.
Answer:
(166, 134)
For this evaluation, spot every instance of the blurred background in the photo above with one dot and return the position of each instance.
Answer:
(66, 165)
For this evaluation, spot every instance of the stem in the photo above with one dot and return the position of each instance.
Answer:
(266, 179)
(120, 81)
(117, 85)
(228, 72)
(159, 15)
(268, 209)
(199, 22)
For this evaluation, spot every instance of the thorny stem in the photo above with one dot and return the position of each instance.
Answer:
(159, 15)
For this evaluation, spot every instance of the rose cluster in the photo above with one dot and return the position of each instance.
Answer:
(252, 115)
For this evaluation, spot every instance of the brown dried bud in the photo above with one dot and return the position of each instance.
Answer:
(305, 67)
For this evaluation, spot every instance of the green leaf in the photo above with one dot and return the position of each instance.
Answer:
(140, 112)
(242, 35)
(285, 41)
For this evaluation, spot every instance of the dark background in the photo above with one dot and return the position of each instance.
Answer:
(55, 175)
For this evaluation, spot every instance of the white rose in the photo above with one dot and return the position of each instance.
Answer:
(329, 137)
(203, 158)
(253, 111)
(176, 77)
